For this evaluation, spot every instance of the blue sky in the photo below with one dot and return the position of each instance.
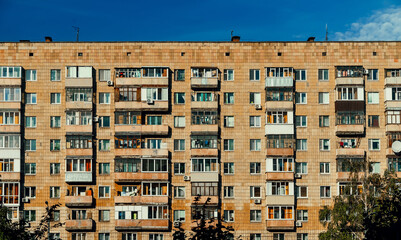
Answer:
(199, 20)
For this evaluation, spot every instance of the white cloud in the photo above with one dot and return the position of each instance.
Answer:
(382, 25)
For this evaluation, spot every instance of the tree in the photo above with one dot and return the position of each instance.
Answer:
(10, 230)
(370, 211)
(205, 227)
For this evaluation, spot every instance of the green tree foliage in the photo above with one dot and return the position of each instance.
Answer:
(11, 230)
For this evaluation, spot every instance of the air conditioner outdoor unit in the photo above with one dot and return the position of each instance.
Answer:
(258, 201)
(177, 224)
(25, 200)
(366, 71)
(150, 101)
(258, 107)
(297, 175)
(96, 119)
(110, 83)
(187, 178)
(298, 223)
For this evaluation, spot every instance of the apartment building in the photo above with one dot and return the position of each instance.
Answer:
(125, 135)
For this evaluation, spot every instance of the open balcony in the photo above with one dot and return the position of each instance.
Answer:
(141, 200)
(78, 201)
(393, 128)
(205, 129)
(144, 152)
(10, 128)
(349, 75)
(79, 225)
(142, 106)
(142, 76)
(393, 77)
(78, 129)
(204, 100)
(162, 81)
(280, 224)
(140, 176)
(345, 150)
(78, 105)
(273, 176)
(159, 130)
(350, 129)
(10, 176)
(213, 200)
(209, 152)
(279, 105)
(142, 224)
(10, 105)
(204, 176)
(204, 77)
(78, 177)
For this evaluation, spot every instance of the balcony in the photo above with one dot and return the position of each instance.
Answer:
(392, 105)
(78, 201)
(10, 128)
(141, 200)
(79, 82)
(204, 82)
(10, 105)
(140, 176)
(205, 129)
(144, 152)
(280, 152)
(355, 129)
(349, 81)
(275, 129)
(204, 176)
(350, 152)
(214, 200)
(78, 177)
(350, 106)
(346, 176)
(79, 152)
(279, 105)
(204, 105)
(157, 81)
(349, 75)
(10, 81)
(78, 105)
(142, 224)
(210, 152)
(273, 176)
(79, 225)
(280, 200)
(8, 176)
(78, 129)
(285, 81)
(392, 80)
(143, 106)
(280, 224)
(393, 128)
(159, 130)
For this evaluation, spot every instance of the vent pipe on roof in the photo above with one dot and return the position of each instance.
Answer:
(235, 38)
(311, 39)
(48, 39)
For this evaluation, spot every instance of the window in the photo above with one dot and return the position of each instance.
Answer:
(254, 74)
(179, 168)
(374, 144)
(373, 74)
(54, 168)
(30, 75)
(179, 144)
(157, 94)
(301, 191)
(301, 168)
(54, 236)
(228, 191)
(30, 145)
(300, 75)
(255, 144)
(9, 118)
(179, 192)
(104, 191)
(104, 168)
(79, 141)
(228, 121)
(324, 121)
(323, 75)
(324, 144)
(158, 236)
(156, 72)
(30, 215)
(255, 167)
(54, 192)
(302, 215)
(55, 145)
(280, 165)
(279, 188)
(55, 98)
(228, 98)
(278, 236)
(79, 165)
(280, 212)
(10, 94)
(104, 145)
(324, 167)
(373, 98)
(30, 98)
(30, 192)
(254, 121)
(204, 117)
(228, 144)
(79, 118)
(300, 121)
(393, 117)
(104, 98)
(255, 236)
(256, 216)
(254, 98)
(179, 98)
(204, 189)
(55, 121)
(302, 236)
(373, 121)
(256, 191)
(104, 215)
(302, 145)
(78, 95)
(325, 192)
(228, 215)
(201, 142)
(9, 141)
(154, 165)
(179, 215)
(129, 118)
(179, 121)
(228, 75)
(79, 72)
(104, 121)
(229, 168)
(129, 236)
(154, 120)
(277, 117)
(154, 189)
(104, 236)
(300, 98)
(204, 165)
(30, 122)
(104, 75)
(324, 98)
(10, 72)
(179, 75)
(78, 236)
(7, 165)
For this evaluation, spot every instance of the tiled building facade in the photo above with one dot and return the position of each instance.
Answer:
(125, 135)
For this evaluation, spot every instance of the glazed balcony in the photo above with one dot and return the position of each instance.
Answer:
(142, 224)
(10, 105)
(79, 225)
(280, 224)
(78, 201)
(159, 130)
(141, 200)
(79, 151)
(288, 200)
(142, 106)
(273, 176)
(78, 105)
(78, 177)
(210, 152)
(78, 129)
(204, 176)
(140, 176)
(144, 152)
(8, 176)
(157, 81)
(10, 128)
(284, 81)
(205, 129)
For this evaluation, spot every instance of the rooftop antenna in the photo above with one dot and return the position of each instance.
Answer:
(327, 33)
(232, 33)
(77, 29)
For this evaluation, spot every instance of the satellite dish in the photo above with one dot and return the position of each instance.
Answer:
(396, 146)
